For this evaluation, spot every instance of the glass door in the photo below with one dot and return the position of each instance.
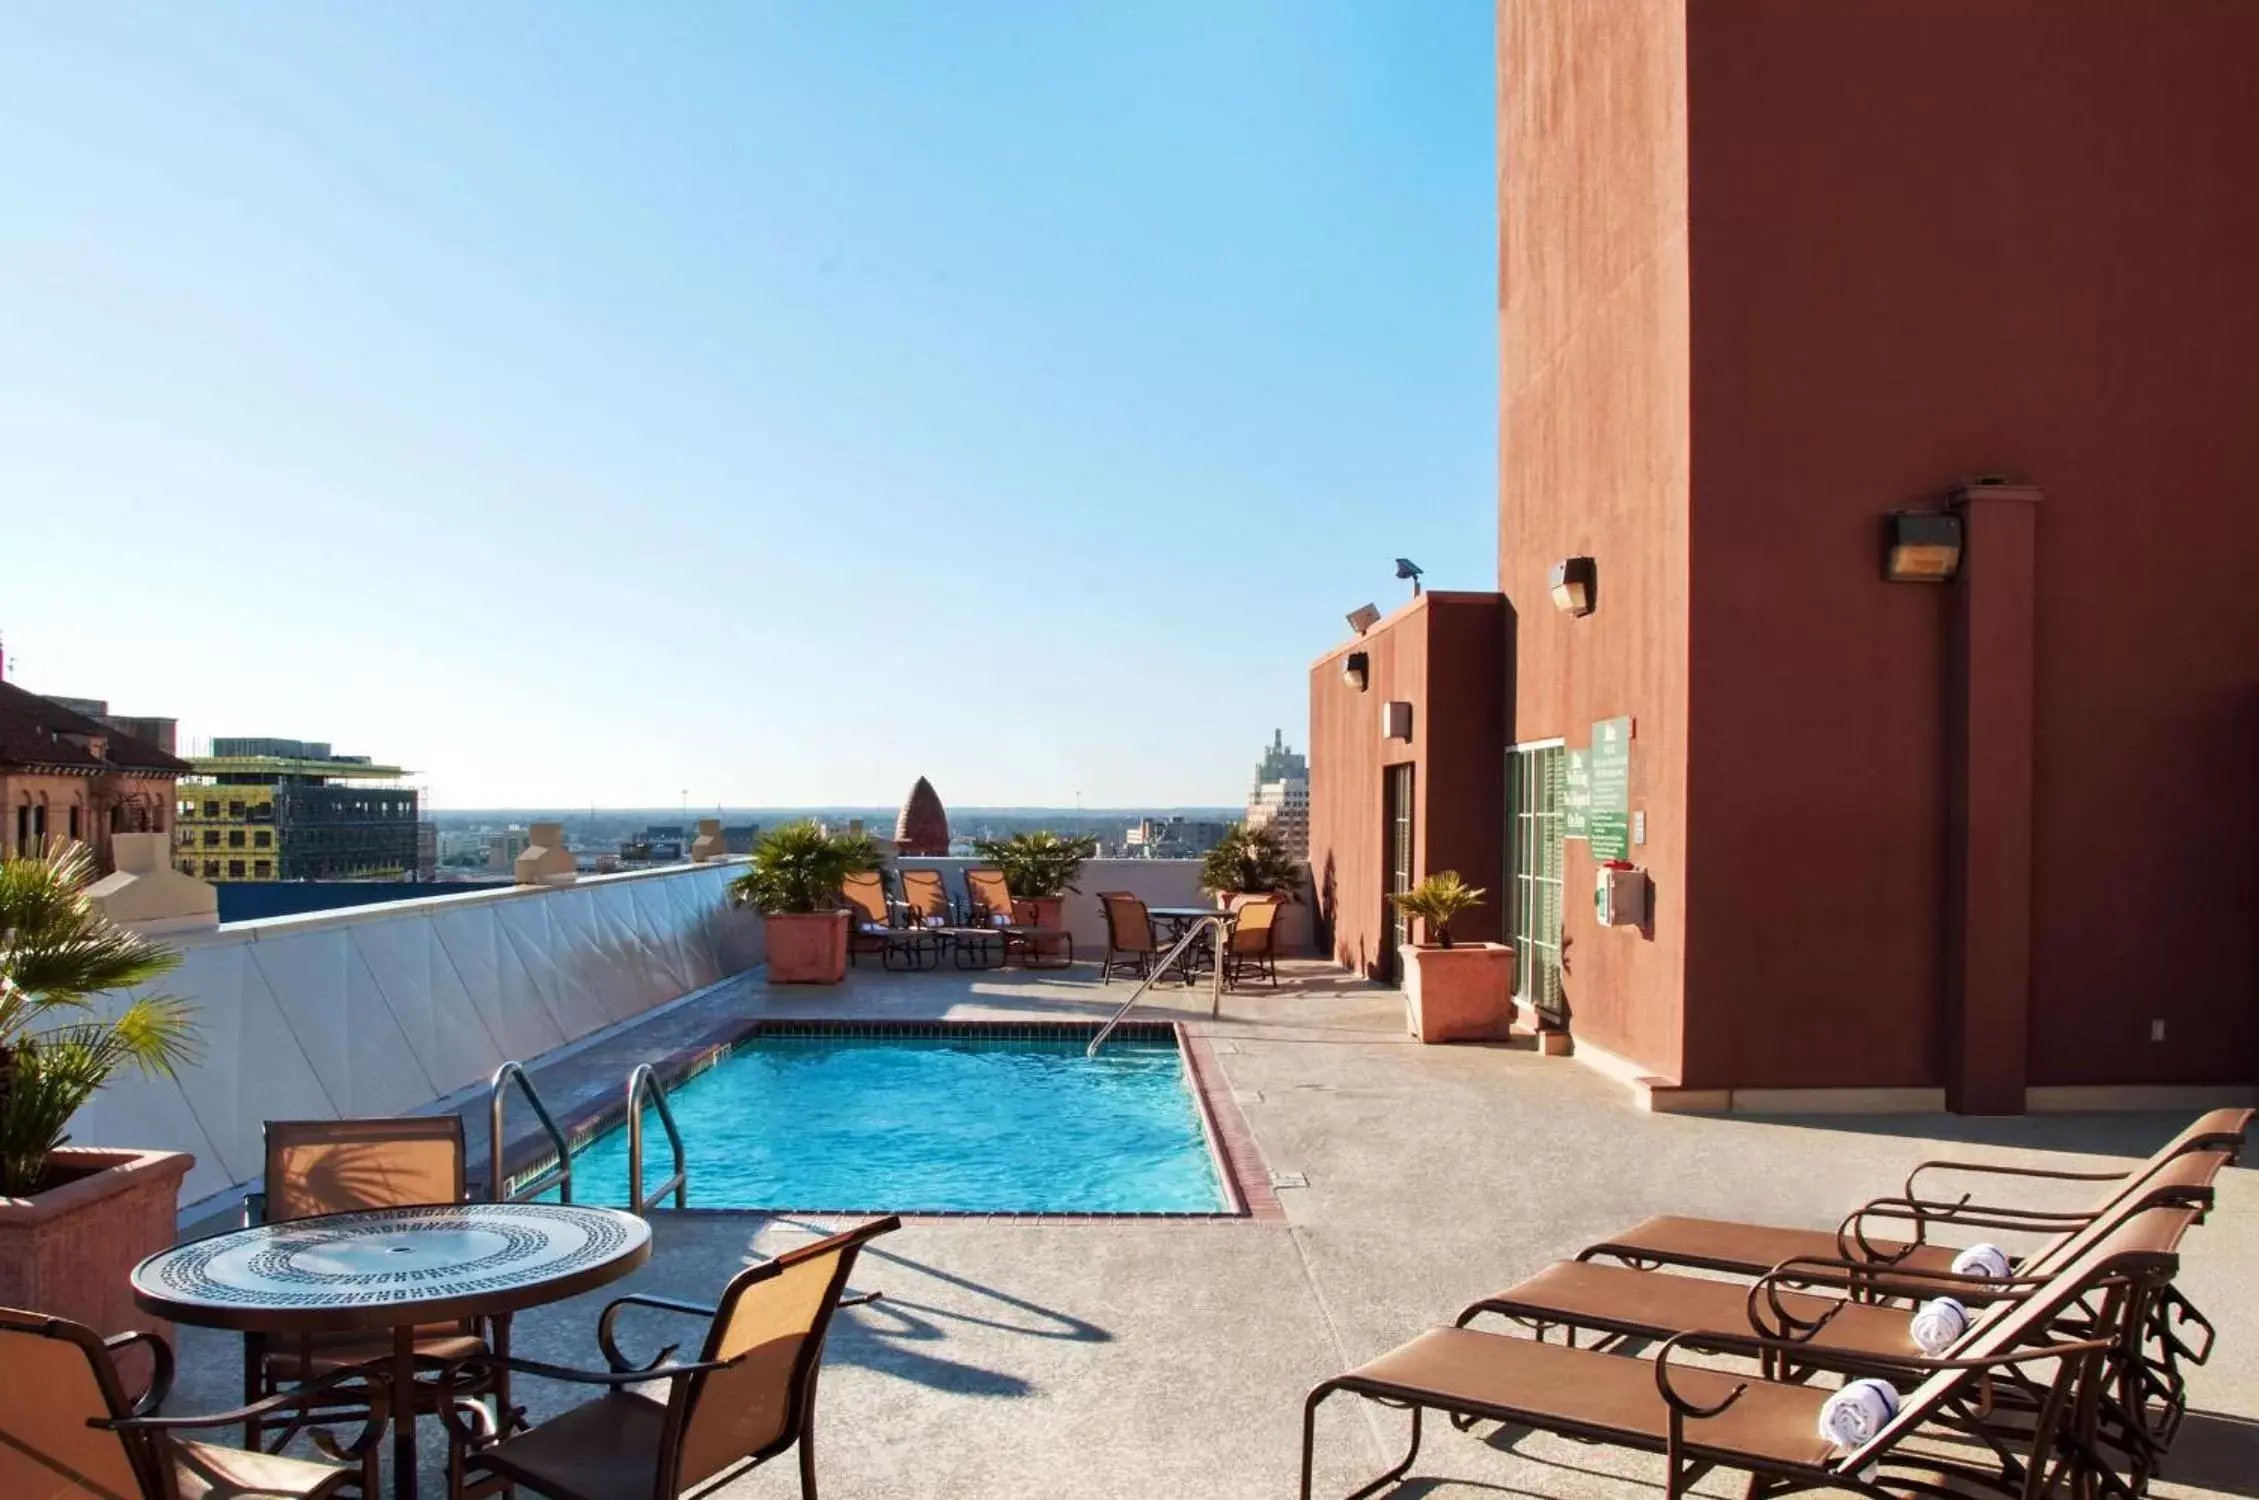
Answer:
(1533, 851)
(1396, 832)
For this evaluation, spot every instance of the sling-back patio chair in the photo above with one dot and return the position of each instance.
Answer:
(316, 1167)
(69, 1431)
(662, 1428)
(1702, 1418)
(989, 896)
(1733, 1248)
(1130, 941)
(926, 895)
(870, 918)
(1253, 948)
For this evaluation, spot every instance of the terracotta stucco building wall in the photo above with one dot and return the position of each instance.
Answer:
(1444, 654)
(1594, 451)
(1771, 269)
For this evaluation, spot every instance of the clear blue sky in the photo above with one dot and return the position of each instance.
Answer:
(773, 401)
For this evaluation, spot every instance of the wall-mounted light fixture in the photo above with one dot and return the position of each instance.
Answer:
(1575, 585)
(1396, 720)
(1921, 546)
(1357, 670)
(1363, 618)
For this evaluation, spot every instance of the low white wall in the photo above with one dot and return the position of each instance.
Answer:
(381, 1010)
(1158, 882)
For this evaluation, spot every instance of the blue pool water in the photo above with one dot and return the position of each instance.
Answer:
(923, 1124)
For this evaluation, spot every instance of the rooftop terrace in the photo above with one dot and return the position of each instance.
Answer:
(1167, 1358)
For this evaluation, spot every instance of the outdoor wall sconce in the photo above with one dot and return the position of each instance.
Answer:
(1396, 720)
(1363, 618)
(1575, 583)
(1921, 546)
(1357, 670)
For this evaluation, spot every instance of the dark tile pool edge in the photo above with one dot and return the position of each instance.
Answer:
(1231, 1147)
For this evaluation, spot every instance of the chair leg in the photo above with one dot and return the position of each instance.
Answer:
(1402, 1467)
(808, 1447)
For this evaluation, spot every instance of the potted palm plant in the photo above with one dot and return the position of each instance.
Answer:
(1250, 860)
(1453, 991)
(793, 883)
(1039, 868)
(75, 1219)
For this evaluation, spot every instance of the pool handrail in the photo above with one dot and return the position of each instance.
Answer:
(1221, 921)
(642, 1083)
(558, 1176)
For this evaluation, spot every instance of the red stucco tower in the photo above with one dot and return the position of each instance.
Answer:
(922, 827)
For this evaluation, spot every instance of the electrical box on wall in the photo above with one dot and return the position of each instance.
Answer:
(1396, 720)
(1619, 895)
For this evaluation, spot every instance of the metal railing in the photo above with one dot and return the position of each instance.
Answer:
(642, 1083)
(559, 1176)
(1220, 922)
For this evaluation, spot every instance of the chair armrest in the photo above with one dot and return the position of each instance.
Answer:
(1996, 1169)
(568, 1373)
(1890, 1279)
(605, 1321)
(160, 1372)
(281, 1401)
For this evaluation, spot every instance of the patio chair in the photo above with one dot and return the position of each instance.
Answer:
(68, 1429)
(870, 918)
(316, 1167)
(1700, 1418)
(990, 897)
(1130, 941)
(926, 895)
(662, 1428)
(1734, 1248)
(1253, 949)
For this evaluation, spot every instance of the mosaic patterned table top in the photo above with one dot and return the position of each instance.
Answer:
(362, 1269)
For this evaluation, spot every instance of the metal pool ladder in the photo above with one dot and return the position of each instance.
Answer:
(558, 1176)
(643, 1083)
(1215, 981)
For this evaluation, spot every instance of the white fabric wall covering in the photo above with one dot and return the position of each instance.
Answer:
(382, 1010)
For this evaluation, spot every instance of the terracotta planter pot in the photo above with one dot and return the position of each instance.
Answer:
(1463, 993)
(807, 947)
(67, 1251)
(1040, 911)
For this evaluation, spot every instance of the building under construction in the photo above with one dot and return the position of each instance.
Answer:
(270, 809)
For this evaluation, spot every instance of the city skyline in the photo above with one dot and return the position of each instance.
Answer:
(780, 405)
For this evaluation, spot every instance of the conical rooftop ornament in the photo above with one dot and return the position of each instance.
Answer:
(923, 826)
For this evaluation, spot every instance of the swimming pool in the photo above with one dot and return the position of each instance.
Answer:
(944, 1121)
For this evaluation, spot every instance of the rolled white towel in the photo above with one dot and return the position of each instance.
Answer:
(1938, 1325)
(872, 927)
(1000, 920)
(1987, 1261)
(936, 922)
(1852, 1416)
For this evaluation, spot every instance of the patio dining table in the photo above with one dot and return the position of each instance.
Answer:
(395, 1269)
(1176, 919)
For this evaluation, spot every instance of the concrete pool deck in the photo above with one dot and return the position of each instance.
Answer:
(1128, 1358)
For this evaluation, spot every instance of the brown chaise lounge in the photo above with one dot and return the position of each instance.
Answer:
(1701, 1418)
(1753, 1249)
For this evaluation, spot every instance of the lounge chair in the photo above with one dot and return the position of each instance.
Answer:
(68, 1429)
(990, 897)
(1130, 942)
(870, 923)
(1701, 1418)
(662, 1428)
(926, 895)
(1753, 1249)
(1253, 949)
(316, 1167)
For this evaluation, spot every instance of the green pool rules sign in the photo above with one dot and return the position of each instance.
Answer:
(1576, 793)
(1608, 789)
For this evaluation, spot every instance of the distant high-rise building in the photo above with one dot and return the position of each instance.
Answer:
(427, 850)
(1175, 837)
(503, 849)
(1281, 799)
(275, 809)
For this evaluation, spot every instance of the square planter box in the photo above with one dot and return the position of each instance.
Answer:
(68, 1250)
(1459, 994)
(807, 947)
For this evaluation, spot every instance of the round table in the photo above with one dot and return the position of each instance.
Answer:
(1177, 919)
(393, 1268)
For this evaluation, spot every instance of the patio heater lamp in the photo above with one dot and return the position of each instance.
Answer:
(1575, 585)
(1921, 546)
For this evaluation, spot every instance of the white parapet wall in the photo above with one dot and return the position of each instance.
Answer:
(383, 1010)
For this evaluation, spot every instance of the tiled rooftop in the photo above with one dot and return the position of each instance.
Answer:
(1130, 1358)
